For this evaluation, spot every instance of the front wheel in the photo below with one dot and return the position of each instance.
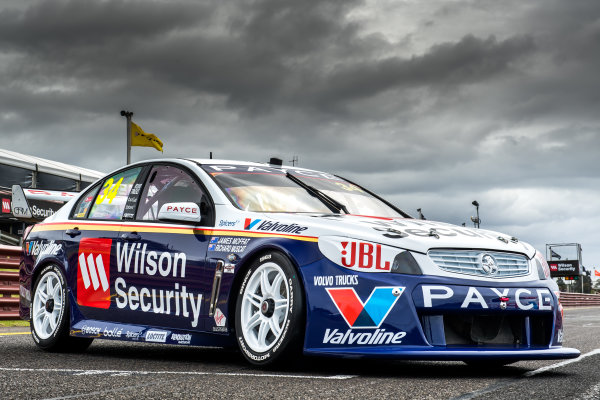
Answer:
(269, 318)
(50, 313)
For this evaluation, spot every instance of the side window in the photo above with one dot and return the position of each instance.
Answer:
(112, 196)
(81, 209)
(168, 184)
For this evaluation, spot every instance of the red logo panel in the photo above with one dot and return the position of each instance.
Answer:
(6, 206)
(93, 273)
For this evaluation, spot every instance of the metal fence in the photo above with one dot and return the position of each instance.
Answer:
(579, 299)
(10, 257)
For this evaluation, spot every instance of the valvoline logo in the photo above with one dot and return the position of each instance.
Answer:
(249, 223)
(369, 314)
(93, 272)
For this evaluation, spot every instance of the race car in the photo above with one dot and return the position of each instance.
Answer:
(279, 261)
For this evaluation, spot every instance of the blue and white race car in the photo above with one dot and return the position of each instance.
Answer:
(277, 261)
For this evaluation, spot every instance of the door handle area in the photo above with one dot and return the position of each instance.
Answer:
(131, 236)
(73, 232)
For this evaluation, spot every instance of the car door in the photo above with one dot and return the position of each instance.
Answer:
(163, 277)
(90, 243)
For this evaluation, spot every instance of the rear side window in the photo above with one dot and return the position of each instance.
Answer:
(85, 203)
(167, 184)
(110, 201)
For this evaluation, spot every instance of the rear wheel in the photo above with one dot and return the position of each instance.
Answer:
(50, 313)
(269, 317)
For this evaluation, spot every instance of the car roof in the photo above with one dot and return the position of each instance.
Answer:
(212, 161)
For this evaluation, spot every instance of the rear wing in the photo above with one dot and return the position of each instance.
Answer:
(35, 205)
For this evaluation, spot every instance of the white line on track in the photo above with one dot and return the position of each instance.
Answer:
(507, 382)
(197, 373)
(560, 364)
(105, 392)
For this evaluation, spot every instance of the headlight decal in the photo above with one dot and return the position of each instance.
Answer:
(358, 255)
(542, 266)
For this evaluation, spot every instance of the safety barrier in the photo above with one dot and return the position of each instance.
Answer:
(579, 299)
(9, 281)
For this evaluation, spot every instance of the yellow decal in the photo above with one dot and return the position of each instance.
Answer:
(109, 192)
(349, 187)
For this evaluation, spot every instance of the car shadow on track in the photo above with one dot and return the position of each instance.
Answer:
(166, 357)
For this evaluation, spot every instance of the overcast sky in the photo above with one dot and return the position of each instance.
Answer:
(433, 104)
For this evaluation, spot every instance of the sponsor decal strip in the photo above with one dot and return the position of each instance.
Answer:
(57, 226)
(197, 373)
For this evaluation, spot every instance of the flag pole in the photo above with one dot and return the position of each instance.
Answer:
(127, 115)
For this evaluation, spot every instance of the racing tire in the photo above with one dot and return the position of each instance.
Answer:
(269, 317)
(50, 310)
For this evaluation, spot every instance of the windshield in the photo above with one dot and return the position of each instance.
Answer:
(265, 189)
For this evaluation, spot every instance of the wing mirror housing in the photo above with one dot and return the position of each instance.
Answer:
(183, 212)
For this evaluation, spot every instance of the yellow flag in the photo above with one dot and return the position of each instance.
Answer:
(143, 139)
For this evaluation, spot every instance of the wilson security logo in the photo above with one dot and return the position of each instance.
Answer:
(93, 273)
(371, 313)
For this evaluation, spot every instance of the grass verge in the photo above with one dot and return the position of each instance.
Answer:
(18, 322)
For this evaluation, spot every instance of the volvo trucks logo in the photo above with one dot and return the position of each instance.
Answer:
(488, 264)
(93, 273)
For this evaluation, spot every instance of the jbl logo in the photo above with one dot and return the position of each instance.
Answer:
(93, 273)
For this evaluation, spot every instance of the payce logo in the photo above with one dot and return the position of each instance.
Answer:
(93, 273)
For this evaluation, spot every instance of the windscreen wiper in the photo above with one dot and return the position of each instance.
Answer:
(330, 202)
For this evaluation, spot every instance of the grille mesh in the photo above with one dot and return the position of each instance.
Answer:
(469, 262)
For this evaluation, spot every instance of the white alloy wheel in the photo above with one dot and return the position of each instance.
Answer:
(48, 303)
(265, 306)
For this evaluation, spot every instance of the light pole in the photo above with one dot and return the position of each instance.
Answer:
(476, 220)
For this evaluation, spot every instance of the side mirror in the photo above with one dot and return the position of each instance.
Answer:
(184, 212)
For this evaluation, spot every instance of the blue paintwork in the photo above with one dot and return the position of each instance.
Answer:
(322, 315)
(323, 318)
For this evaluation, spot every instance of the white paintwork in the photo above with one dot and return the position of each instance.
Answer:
(182, 211)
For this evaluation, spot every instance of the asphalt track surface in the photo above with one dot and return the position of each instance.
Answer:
(119, 370)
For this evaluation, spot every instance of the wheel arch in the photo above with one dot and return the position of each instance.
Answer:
(41, 263)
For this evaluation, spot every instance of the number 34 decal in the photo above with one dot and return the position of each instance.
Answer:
(109, 191)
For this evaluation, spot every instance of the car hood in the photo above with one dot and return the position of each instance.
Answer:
(410, 234)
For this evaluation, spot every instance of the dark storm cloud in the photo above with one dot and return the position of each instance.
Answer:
(56, 26)
(468, 61)
(138, 45)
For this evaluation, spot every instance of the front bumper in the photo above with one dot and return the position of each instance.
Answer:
(387, 315)
(451, 354)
